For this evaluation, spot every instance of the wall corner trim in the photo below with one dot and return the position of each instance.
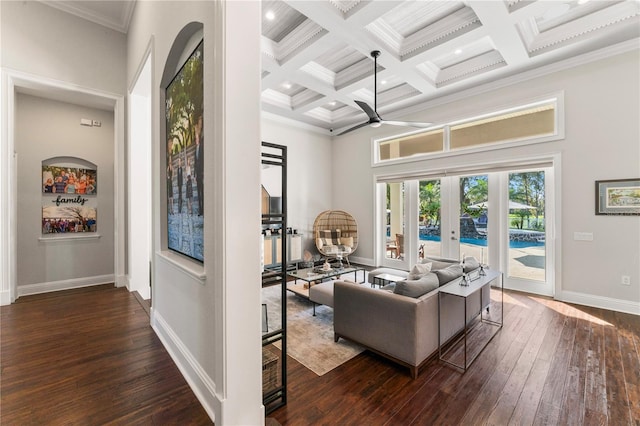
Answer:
(200, 383)
(626, 306)
(5, 297)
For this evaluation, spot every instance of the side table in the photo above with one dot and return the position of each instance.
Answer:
(455, 289)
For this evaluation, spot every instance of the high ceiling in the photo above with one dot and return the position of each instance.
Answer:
(316, 54)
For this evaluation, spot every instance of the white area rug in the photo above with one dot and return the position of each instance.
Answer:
(309, 338)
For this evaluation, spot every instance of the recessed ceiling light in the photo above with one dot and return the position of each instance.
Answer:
(333, 103)
(383, 82)
(270, 15)
(582, 1)
(458, 51)
(286, 85)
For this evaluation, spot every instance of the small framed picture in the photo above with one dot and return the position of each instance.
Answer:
(473, 275)
(618, 197)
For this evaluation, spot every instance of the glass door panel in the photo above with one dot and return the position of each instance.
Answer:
(395, 221)
(527, 238)
(429, 219)
(474, 214)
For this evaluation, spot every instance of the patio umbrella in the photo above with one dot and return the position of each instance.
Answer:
(513, 205)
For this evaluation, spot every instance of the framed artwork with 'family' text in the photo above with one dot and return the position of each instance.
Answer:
(618, 197)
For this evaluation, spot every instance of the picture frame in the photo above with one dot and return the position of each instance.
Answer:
(473, 275)
(184, 110)
(618, 197)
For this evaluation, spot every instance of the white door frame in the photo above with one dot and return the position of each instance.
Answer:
(498, 222)
(10, 82)
(139, 169)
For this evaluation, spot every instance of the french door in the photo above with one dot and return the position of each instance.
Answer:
(501, 218)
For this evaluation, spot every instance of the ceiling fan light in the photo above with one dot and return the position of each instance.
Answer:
(376, 124)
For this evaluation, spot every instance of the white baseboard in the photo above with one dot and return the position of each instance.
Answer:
(203, 387)
(25, 290)
(361, 260)
(5, 297)
(122, 281)
(618, 305)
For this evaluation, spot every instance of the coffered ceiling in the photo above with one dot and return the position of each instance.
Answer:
(316, 54)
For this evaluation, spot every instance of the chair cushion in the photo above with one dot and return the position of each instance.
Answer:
(330, 237)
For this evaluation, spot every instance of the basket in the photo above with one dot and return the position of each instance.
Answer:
(269, 370)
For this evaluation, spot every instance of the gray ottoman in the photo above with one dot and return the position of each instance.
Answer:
(321, 294)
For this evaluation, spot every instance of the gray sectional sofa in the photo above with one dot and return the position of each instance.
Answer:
(400, 327)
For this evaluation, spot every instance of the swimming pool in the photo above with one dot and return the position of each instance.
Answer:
(483, 243)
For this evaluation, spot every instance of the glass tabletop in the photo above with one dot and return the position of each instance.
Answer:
(313, 274)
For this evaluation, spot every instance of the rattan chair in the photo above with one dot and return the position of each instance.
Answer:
(336, 234)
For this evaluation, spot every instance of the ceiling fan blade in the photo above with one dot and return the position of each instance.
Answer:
(367, 109)
(407, 123)
(353, 128)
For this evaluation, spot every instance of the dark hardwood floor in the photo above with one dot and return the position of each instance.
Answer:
(89, 357)
(551, 364)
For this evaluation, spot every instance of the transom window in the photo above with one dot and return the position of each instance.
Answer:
(532, 123)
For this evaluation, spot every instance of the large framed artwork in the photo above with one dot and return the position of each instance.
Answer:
(185, 162)
(618, 197)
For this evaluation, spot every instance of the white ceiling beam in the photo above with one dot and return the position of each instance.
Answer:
(507, 40)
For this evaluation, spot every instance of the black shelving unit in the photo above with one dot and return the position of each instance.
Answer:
(275, 396)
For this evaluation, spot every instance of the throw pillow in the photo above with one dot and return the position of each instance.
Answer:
(417, 288)
(347, 241)
(330, 237)
(419, 270)
(449, 273)
(470, 263)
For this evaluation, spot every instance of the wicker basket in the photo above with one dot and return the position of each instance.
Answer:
(269, 370)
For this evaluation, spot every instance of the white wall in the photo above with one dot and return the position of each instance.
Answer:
(45, 41)
(602, 141)
(309, 177)
(208, 316)
(61, 55)
(46, 129)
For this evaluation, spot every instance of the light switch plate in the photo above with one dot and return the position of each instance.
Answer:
(583, 236)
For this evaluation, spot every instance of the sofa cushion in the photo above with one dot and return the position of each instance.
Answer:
(470, 263)
(449, 273)
(439, 263)
(416, 288)
(419, 270)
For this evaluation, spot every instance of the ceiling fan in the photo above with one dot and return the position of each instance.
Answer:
(374, 118)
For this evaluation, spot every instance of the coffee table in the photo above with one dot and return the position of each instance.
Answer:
(383, 279)
(309, 276)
